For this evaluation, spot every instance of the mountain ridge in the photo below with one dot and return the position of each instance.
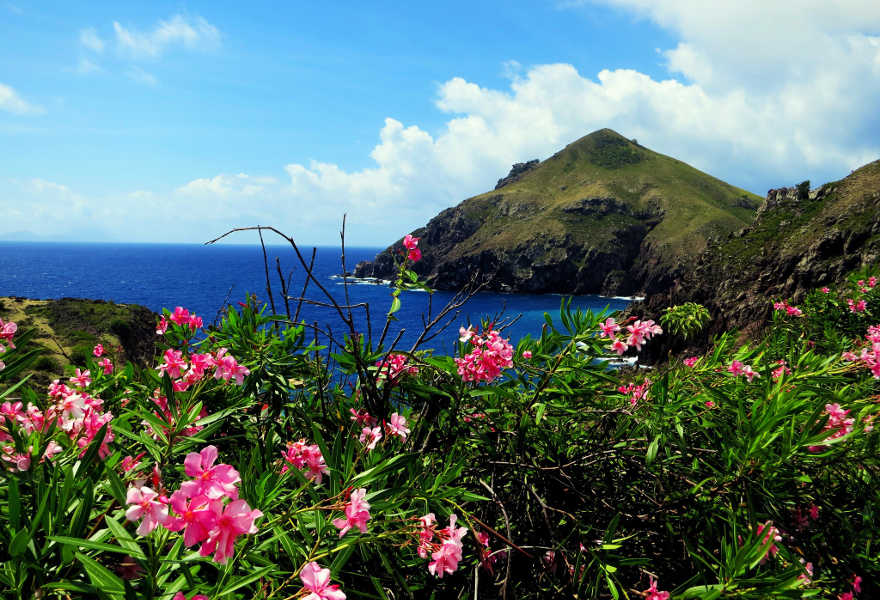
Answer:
(602, 215)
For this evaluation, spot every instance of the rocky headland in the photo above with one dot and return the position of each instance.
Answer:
(800, 240)
(604, 215)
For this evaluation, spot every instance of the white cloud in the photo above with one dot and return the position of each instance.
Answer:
(90, 39)
(11, 102)
(138, 75)
(227, 185)
(178, 31)
(758, 94)
(85, 66)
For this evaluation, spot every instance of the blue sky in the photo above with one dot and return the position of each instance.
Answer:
(172, 122)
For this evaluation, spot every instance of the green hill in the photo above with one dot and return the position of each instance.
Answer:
(604, 214)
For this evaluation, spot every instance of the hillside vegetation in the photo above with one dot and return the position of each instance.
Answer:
(605, 214)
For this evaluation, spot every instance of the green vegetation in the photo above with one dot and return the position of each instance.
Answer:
(65, 331)
(750, 472)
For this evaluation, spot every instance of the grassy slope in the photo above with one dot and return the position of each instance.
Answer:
(68, 329)
(604, 164)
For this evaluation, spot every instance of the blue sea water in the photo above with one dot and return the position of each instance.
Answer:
(205, 278)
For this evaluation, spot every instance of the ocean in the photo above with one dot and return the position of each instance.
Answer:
(204, 279)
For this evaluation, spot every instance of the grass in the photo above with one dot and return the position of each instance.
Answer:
(604, 164)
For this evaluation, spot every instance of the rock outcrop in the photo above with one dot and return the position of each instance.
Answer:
(800, 240)
(604, 215)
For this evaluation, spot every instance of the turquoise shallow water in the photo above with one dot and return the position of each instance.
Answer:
(203, 278)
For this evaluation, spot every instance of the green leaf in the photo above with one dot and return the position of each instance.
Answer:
(101, 577)
(92, 545)
(19, 542)
(395, 306)
(652, 450)
(240, 583)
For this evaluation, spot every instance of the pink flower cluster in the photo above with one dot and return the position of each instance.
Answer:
(856, 307)
(317, 581)
(357, 513)
(446, 552)
(653, 594)
(186, 375)
(771, 536)
(803, 516)
(393, 367)
(304, 456)
(792, 311)
(866, 287)
(782, 369)
(411, 244)
(634, 392)
(738, 368)
(636, 334)
(690, 361)
(870, 355)
(75, 413)
(489, 355)
(838, 423)
(856, 589)
(200, 507)
(7, 332)
(180, 316)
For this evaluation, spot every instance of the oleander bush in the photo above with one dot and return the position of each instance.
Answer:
(258, 458)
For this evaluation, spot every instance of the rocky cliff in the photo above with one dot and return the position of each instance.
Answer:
(604, 215)
(800, 240)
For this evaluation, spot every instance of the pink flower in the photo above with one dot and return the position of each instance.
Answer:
(180, 596)
(608, 328)
(652, 594)
(736, 367)
(691, 361)
(749, 373)
(180, 315)
(98, 350)
(857, 582)
(194, 515)
(426, 534)
(317, 581)
(162, 326)
(82, 379)
(397, 426)
(856, 307)
(410, 242)
(213, 482)
(769, 539)
(618, 346)
(300, 455)
(370, 437)
(144, 504)
(194, 321)
(414, 255)
(393, 366)
(635, 392)
(174, 364)
(228, 368)
(446, 559)
(825, 290)
(845, 596)
(814, 512)
(130, 462)
(106, 365)
(489, 355)
(357, 513)
(527, 354)
(235, 519)
(362, 417)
